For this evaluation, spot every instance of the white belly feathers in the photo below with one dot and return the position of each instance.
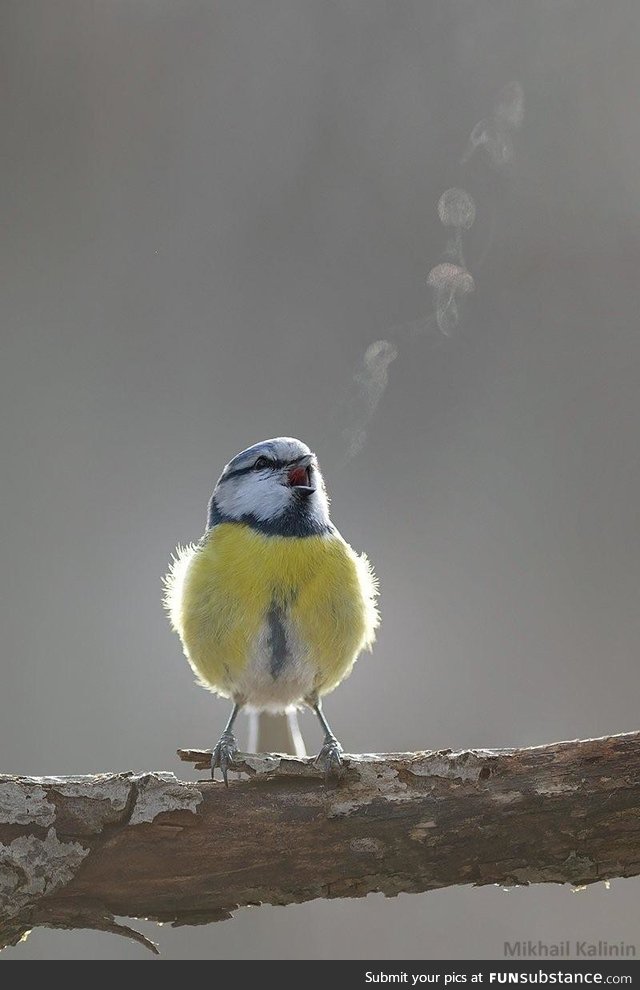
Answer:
(279, 672)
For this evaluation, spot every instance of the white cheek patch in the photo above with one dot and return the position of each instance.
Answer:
(263, 498)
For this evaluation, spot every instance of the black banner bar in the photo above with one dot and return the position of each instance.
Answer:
(414, 974)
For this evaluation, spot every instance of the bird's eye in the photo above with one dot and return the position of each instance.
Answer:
(261, 463)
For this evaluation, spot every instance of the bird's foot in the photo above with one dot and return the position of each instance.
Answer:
(330, 757)
(223, 755)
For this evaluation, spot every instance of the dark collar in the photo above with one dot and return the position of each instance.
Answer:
(296, 521)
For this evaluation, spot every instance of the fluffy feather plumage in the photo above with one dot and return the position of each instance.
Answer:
(271, 620)
(219, 594)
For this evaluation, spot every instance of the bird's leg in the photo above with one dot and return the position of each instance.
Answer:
(330, 756)
(226, 748)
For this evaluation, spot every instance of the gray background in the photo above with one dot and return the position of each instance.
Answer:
(209, 210)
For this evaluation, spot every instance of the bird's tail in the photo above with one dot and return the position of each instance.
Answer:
(275, 733)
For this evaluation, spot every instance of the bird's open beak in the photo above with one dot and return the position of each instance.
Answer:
(299, 477)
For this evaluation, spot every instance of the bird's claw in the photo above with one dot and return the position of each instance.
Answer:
(223, 755)
(330, 757)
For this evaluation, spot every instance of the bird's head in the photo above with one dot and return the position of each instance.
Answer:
(276, 487)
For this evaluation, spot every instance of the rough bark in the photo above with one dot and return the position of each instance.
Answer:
(77, 852)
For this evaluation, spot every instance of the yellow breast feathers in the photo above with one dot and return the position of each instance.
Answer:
(239, 595)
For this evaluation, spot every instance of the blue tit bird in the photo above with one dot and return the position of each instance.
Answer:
(273, 607)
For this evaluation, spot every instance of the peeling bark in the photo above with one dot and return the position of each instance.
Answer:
(77, 852)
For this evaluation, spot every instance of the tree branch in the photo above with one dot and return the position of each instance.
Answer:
(80, 851)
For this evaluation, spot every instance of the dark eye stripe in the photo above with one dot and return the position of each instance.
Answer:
(272, 464)
(237, 473)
